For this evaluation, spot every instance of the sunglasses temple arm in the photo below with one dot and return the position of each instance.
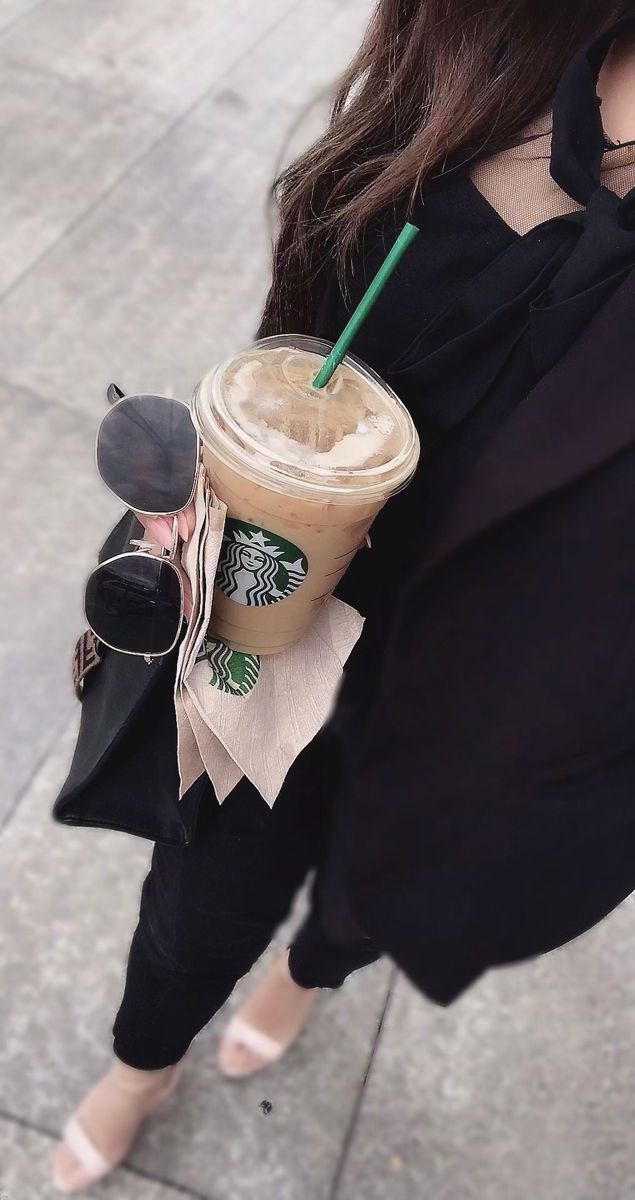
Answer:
(114, 393)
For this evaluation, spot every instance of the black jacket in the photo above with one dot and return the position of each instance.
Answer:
(493, 817)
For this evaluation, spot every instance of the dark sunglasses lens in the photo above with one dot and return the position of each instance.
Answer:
(146, 453)
(134, 604)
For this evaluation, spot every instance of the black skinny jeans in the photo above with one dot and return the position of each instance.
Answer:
(209, 909)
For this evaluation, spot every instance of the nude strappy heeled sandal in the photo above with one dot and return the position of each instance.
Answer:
(90, 1159)
(265, 1047)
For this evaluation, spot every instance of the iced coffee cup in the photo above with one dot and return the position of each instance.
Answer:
(303, 472)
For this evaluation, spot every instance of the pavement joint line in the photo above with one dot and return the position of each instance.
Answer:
(150, 149)
(54, 1136)
(326, 91)
(40, 762)
(80, 85)
(349, 1134)
(4, 29)
(49, 401)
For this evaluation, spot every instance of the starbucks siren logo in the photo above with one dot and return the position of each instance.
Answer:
(232, 671)
(257, 567)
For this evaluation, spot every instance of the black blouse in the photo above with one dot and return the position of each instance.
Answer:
(470, 287)
(472, 319)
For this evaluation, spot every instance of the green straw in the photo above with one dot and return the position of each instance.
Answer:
(330, 364)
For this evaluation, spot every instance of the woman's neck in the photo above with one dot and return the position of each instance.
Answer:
(616, 89)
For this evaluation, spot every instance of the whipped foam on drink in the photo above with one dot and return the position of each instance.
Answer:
(350, 424)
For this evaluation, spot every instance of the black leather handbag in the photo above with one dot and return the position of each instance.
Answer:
(124, 772)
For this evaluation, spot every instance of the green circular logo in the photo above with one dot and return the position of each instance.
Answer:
(256, 567)
(232, 671)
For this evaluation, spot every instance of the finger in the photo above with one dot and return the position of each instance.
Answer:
(157, 529)
(160, 530)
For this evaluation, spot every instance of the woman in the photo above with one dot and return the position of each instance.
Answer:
(470, 801)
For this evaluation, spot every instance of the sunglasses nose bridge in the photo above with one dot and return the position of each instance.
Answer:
(165, 552)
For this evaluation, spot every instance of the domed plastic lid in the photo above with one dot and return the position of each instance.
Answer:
(260, 413)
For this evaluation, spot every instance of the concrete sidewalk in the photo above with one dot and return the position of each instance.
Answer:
(138, 142)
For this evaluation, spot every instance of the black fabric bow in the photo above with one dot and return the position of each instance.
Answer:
(547, 284)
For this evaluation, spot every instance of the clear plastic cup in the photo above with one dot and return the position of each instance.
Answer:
(303, 472)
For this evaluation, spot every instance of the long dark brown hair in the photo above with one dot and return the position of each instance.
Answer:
(434, 82)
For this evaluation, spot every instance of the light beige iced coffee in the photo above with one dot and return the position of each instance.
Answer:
(303, 472)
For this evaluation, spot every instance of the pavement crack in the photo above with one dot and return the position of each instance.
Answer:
(40, 762)
(359, 1099)
(150, 149)
(21, 16)
(51, 1135)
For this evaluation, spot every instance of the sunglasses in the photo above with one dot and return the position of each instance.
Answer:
(148, 454)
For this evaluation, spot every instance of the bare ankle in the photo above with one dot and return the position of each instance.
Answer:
(136, 1078)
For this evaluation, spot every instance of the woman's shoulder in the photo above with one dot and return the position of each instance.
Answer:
(518, 181)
